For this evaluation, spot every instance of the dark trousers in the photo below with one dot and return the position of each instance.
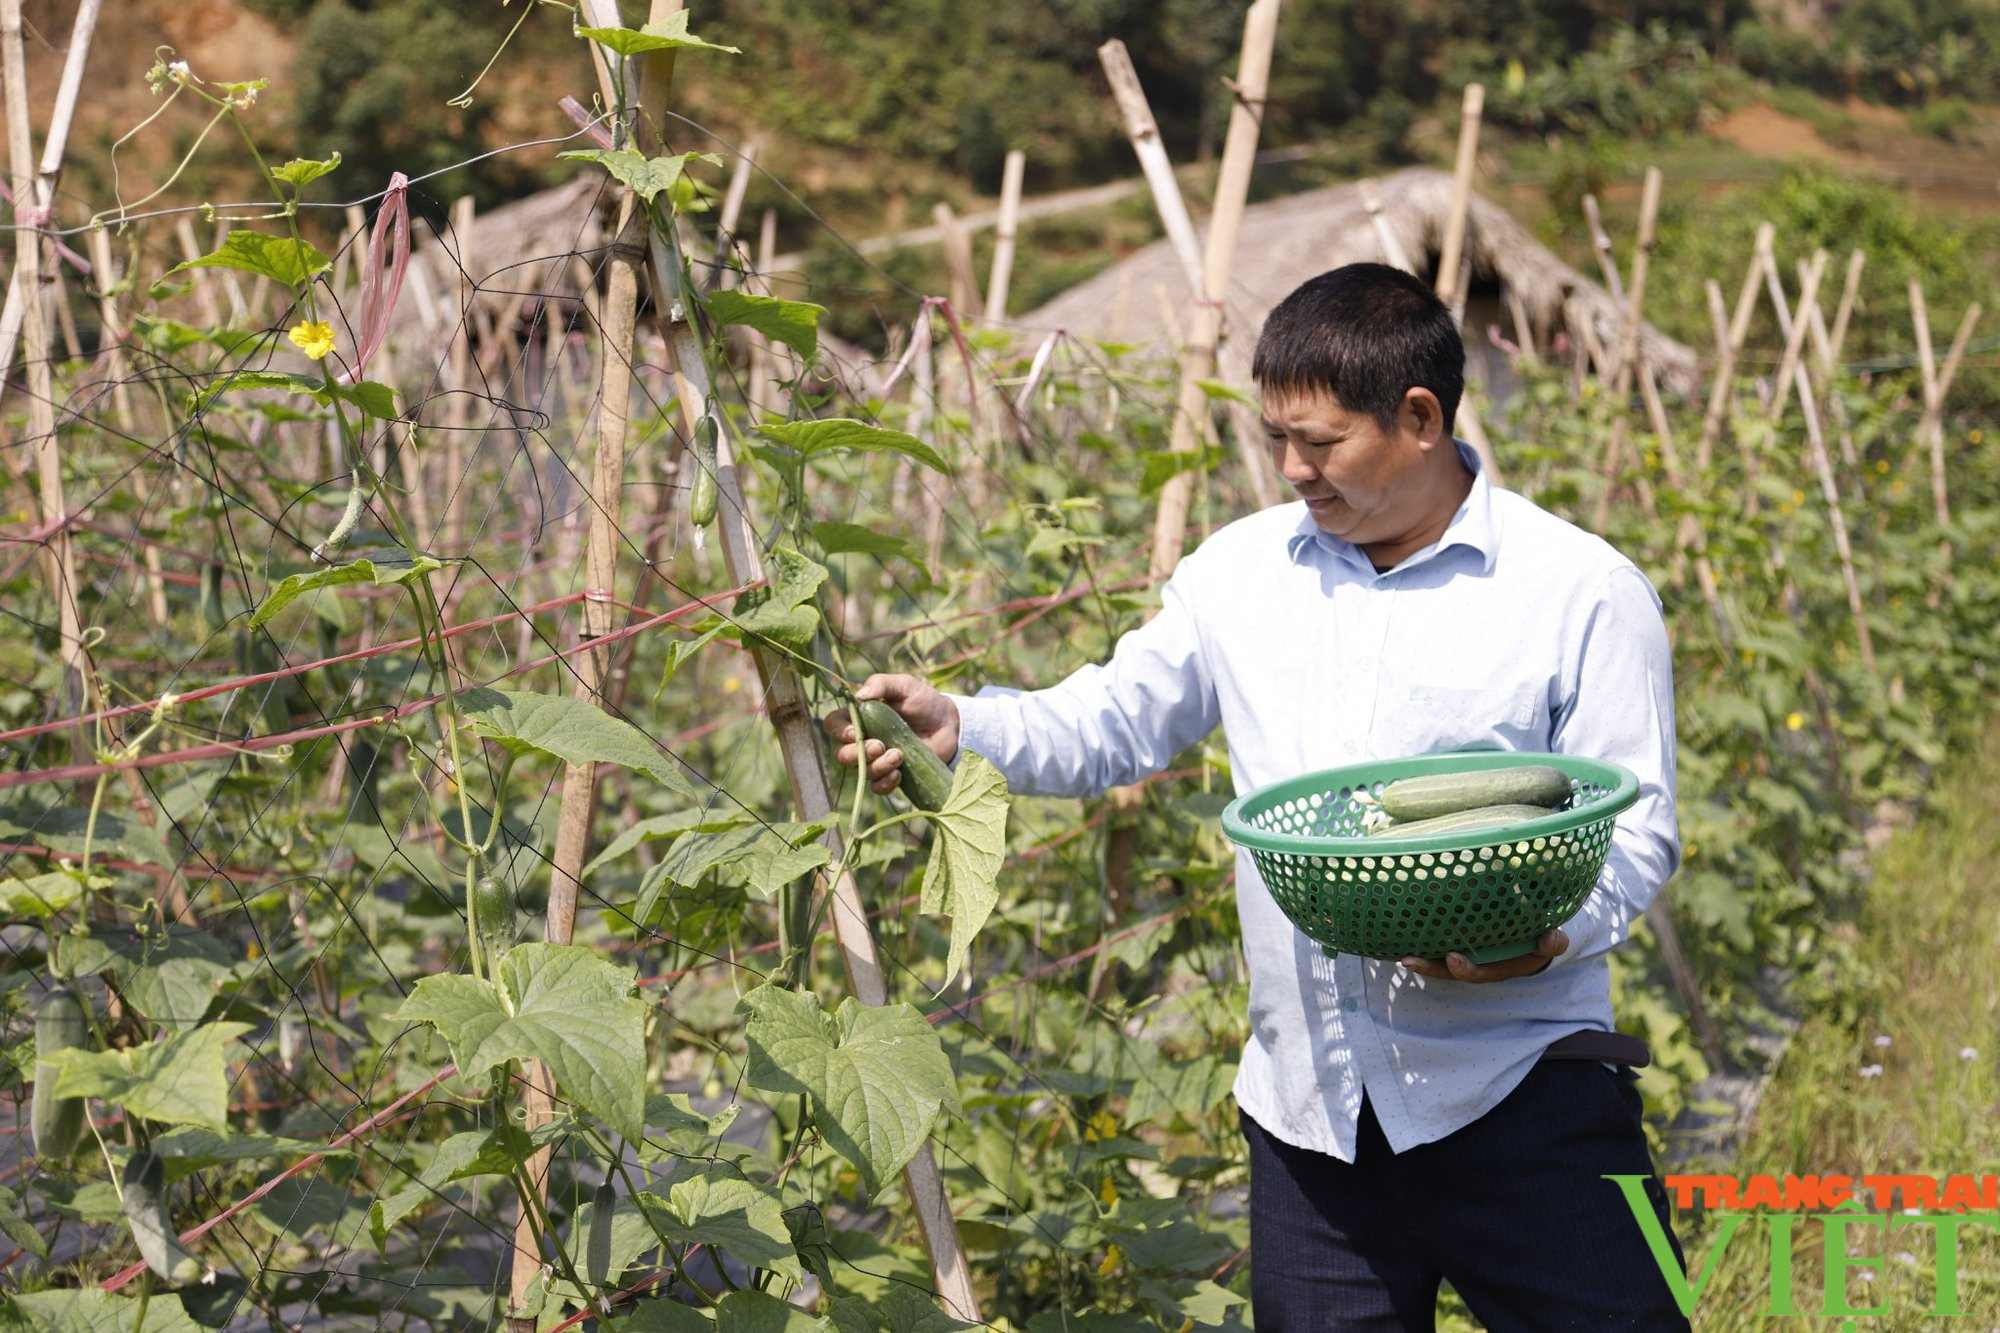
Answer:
(1511, 1209)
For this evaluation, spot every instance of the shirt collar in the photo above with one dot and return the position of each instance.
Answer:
(1474, 526)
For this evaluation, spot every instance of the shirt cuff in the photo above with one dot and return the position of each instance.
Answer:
(980, 726)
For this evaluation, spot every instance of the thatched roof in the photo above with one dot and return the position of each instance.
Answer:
(1286, 241)
(517, 255)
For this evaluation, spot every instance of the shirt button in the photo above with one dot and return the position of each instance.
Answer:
(1350, 747)
(1351, 1003)
(1365, 664)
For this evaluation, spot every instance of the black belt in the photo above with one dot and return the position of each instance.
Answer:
(1611, 1047)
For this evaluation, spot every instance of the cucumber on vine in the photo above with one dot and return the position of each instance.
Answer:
(61, 1024)
(144, 1184)
(702, 495)
(213, 613)
(493, 918)
(925, 780)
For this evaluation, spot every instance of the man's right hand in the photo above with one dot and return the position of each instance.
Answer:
(932, 715)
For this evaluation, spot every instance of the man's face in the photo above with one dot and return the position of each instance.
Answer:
(1362, 482)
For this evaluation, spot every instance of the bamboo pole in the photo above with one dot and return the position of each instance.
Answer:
(1826, 354)
(1392, 249)
(111, 329)
(1935, 413)
(1930, 427)
(1849, 292)
(964, 308)
(1600, 245)
(923, 406)
(1470, 111)
(1631, 357)
(732, 211)
(1691, 537)
(1473, 431)
(1144, 133)
(1795, 329)
(1192, 416)
(1718, 313)
(958, 262)
(798, 739)
(202, 279)
(59, 564)
(1593, 349)
(579, 781)
(1524, 330)
(111, 336)
(1626, 358)
(1920, 317)
(54, 149)
(65, 317)
(1249, 437)
(757, 376)
(1822, 344)
(652, 75)
(1002, 273)
(1723, 388)
(1792, 324)
(239, 305)
(1454, 261)
(458, 404)
(1172, 208)
(1239, 152)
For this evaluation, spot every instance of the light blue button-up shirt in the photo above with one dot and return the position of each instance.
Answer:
(1515, 631)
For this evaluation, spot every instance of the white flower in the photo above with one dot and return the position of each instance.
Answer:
(1865, 1274)
(1968, 1052)
(1883, 1041)
(179, 71)
(1871, 1071)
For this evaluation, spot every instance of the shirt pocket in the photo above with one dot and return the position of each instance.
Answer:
(1452, 717)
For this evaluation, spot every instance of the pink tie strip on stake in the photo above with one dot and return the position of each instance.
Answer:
(379, 295)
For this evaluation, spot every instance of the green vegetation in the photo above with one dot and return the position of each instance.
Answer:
(1893, 1068)
(304, 882)
(1901, 51)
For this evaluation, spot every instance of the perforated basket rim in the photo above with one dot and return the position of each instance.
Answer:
(1622, 782)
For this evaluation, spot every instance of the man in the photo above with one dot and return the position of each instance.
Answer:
(1404, 1124)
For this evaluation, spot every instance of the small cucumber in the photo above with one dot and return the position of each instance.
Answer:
(1437, 794)
(1461, 821)
(926, 780)
(144, 1183)
(364, 764)
(701, 488)
(213, 613)
(61, 1024)
(493, 918)
(597, 1244)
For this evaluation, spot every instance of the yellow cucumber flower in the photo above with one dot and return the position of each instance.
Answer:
(313, 337)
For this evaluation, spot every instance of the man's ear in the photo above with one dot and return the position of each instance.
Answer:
(1423, 416)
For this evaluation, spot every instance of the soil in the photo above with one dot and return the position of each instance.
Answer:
(1767, 132)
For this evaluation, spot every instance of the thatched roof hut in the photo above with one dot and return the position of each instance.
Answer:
(544, 248)
(1286, 241)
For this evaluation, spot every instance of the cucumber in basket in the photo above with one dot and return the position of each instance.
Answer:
(1433, 794)
(1460, 821)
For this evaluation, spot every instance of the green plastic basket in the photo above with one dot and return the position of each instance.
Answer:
(1487, 894)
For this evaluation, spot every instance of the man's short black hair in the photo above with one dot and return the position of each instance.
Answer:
(1366, 334)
